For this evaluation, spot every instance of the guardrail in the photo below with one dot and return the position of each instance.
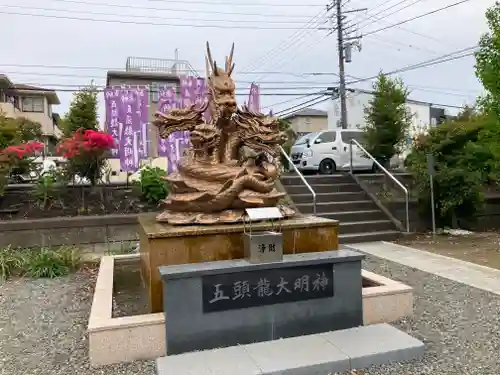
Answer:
(290, 162)
(405, 190)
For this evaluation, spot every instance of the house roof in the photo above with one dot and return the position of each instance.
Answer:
(5, 81)
(49, 93)
(310, 112)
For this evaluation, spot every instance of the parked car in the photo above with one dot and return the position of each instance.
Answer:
(40, 168)
(328, 151)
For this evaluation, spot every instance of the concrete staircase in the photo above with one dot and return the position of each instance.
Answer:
(339, 197)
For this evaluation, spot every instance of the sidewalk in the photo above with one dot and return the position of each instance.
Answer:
(471, 274)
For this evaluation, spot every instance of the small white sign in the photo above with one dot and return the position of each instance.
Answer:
(263, 213)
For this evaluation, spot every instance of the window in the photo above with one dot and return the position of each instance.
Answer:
(155, 92)
(327, 137)
(303, 140)
(347, 136)
(33, 104)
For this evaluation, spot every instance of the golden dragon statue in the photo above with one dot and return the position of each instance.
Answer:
(233, 161)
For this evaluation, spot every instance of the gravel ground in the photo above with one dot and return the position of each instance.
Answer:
(43, 323)
(460, 325)
(43, 328)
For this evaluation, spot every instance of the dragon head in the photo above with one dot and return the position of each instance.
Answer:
(259, 132)
(221, 85)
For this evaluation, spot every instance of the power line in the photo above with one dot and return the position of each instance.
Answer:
(283, 45)
(146, 17)
(77, 88)
(287, 111)
(415, 18)
(377, 7)
(262, 14)
(76, 67)
(238, 4)
(431, 62)
(292, 100)
(306, 102)
(103, 78)
(249, 27)
(390, 14)
(297, 50)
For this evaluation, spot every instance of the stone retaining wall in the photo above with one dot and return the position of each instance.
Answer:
(95, 233)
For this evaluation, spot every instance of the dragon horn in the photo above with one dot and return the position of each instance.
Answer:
(209, 55)
(207, 65)
(230, 59)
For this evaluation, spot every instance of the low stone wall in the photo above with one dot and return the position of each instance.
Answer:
(95, 233)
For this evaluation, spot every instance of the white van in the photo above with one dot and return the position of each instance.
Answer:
(328, 151)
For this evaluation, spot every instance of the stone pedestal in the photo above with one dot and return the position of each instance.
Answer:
(235, 302)
(164, 245)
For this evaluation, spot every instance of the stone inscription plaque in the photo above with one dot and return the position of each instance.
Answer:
(241, 290)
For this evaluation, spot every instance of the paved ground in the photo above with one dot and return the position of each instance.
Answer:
(481, 248)
(454, 269)
(43, 322)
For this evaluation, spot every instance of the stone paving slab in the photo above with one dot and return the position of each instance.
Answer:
(467, 273)
(376, 344)
(311, 354)
(322, 353)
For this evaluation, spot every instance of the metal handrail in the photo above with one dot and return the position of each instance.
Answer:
(407, 199)
(290, 162)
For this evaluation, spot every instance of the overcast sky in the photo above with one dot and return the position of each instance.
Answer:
(270, 36)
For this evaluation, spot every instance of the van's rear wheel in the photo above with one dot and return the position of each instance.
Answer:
(327, 166)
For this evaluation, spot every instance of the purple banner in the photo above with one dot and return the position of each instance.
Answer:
(130, 117)
(127, 115)
(113, 127)
(143, 112)
(254, 98)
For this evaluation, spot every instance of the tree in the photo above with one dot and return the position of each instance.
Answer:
(488, 61)
(387, 119)
(83, 112)
(18, 130)
(284, 126)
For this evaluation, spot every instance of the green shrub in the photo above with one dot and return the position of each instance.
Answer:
(152, 185)
(71, 257)
(46, 263)
(38, 263)
(11, 261)
(463, 151)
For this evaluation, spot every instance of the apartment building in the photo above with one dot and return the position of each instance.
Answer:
(33, 103)
(154, 74)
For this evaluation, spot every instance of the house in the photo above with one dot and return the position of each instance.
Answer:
(308, 120)
(424, 114)
(33, 103)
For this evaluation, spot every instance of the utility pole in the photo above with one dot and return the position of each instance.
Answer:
(343, 50)
(340, 47)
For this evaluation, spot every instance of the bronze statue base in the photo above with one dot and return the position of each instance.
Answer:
(224, 217)
(165, 244)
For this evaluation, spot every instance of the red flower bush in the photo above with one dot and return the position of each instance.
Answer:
(23, 150)
(85, 142)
